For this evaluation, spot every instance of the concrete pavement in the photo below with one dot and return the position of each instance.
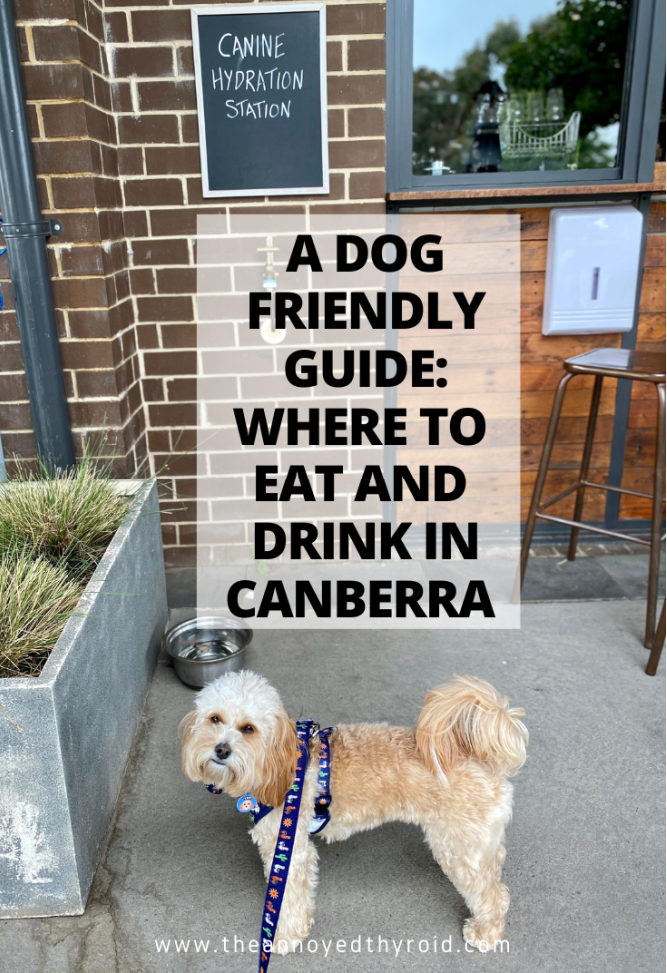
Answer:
(585, 863)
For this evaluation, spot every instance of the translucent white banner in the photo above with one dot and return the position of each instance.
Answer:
(358, 420)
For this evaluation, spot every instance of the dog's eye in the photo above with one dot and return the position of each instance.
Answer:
(248, 729)
(215, 719)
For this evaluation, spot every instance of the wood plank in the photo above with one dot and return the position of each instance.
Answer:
(651, 328)
(577, 403)
(653, 291)
(656, 219)
(556, 348)
(534, 256)
(510, 192)
(655, 251)
(571, 430)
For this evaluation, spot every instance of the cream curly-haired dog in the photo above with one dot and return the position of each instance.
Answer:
(448, 775)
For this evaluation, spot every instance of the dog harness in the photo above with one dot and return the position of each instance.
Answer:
(282, 855)
(247, 804)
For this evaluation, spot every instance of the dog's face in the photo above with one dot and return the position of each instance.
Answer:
(240, 738)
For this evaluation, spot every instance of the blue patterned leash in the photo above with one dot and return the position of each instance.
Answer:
(321, 815)
(282, 855)
(284, 847)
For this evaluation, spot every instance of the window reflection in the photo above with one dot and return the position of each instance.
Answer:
(517, 85)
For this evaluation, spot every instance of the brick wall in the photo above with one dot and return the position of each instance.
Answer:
(111, 99)
(112, 107)
(71, 102)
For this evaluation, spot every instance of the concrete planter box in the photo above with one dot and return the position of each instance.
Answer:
(65, 736)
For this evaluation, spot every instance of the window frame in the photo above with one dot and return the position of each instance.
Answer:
(640, 112)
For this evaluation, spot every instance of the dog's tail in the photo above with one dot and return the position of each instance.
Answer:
(468, 718)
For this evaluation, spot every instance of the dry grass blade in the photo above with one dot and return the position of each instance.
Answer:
(67, 518)
(36, 599)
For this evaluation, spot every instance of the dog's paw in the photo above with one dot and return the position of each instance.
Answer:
(482, 935)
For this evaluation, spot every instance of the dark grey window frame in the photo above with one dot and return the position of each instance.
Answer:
(642, 98)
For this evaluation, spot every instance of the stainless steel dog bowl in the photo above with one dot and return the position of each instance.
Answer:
(204, 648)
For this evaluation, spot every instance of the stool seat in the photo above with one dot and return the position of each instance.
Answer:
(641, 366)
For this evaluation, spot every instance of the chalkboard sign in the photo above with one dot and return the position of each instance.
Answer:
(261, 98)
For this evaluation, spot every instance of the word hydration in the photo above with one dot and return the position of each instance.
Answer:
(267, 48)
(356, 427)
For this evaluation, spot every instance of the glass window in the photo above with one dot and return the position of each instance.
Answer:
(517, 85)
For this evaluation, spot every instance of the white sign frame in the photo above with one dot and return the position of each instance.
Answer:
(217, 10)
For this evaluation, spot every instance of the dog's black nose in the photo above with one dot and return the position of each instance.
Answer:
(222, 751)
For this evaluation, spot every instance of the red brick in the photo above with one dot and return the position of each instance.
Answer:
(185, 60)
(366, 185)
(142, 62)
(9, 330)
(53, 81)
(177, 280)
(182, 389)
(356, 89)
(346, 207)
(190, 128)
(170, 362)
(90, 54)
(56, 43)
(135, 223)
(45, 10)
(166, 95)
(336, 123)
(81, 261)
(168, 25)
(13, 416)
(70, 155)
(141, 281)
(179, 335)
(78, 191)
(68, 119)
(357, 18)
(148, 128)
(11, 358)
(365, 121)
(96, 384)
(362, 154)
(94, 21)
(86, 292)
(95, 415)
(147, 336)
(86, 354)
(366, 55)
(334, 56)
(130, 161)
(161, 252)
(153, 192)
(116, 27)
(165, 308)
(176, 159)
(89, 323)
(121, 96)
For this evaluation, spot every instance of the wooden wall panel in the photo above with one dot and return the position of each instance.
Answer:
(640, 444)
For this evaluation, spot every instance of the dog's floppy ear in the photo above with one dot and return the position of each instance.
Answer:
(185, 730)
(279, 763)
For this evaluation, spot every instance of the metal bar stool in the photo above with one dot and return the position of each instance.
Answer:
(658, 642)
(606, 363)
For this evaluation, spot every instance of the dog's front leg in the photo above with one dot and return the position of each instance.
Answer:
(298, 906)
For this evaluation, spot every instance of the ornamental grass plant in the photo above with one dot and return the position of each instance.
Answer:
(36, 599)
(54, 529)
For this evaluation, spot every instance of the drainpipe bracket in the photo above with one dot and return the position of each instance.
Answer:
(39, 228)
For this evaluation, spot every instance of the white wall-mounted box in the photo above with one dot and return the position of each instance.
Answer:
(592, 269)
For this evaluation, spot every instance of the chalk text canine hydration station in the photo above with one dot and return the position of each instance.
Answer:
(260, 77)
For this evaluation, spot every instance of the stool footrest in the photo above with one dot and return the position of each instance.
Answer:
(595, 486)
(596, 530)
